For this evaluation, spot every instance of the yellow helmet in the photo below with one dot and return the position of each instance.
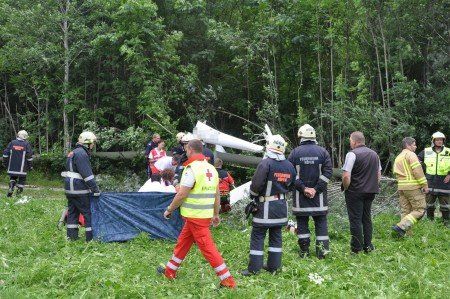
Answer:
(87, 138)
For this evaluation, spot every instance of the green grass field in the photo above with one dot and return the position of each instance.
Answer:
(36, 261)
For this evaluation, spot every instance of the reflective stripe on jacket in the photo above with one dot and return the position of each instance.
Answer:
(409, 172)
(18, 157)
(437, 167)
(78, 164)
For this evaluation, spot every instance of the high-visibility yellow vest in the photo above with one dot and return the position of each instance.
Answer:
(200, 201)
(437, 163)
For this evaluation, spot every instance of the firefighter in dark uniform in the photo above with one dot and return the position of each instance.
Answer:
(314, 170)
(17, 159)
(183, 157)
(274, 177)
(79, 183)
(179, 148)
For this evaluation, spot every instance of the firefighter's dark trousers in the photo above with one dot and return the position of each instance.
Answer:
(16, 181)
(257, 248)
(444, 205)
(77, 205)
(304, 235)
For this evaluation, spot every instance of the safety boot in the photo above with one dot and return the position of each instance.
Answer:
(228, 283)
(397, 231)
(19, 190)
(12, 184)
(445, 218)
(247, 272)
(430, 214)
(161, 269)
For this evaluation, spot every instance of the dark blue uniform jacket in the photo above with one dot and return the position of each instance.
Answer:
(80, 179)
(272, 179)
(17, 157)
(314, 170)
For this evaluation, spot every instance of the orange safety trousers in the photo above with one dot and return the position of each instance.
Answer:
(197, 231)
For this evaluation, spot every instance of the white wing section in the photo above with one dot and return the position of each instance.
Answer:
(212, 136)
(239, 193)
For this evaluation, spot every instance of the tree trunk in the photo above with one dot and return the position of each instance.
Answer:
(8, 111)
(333, 149)
(319, 64)
(380, 77)
(65, 29)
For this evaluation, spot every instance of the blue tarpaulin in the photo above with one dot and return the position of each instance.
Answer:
(122, 216)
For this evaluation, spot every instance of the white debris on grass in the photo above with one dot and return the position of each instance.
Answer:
(316, 278)
(23, 200)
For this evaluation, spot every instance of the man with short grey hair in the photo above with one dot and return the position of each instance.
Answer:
(360, 179)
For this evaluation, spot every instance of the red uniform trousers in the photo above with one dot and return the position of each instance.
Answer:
(197, 230)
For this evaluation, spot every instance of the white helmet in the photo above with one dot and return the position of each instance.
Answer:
(188, 137)
(87, 138)
(180, 135)
(22, 134)
(276, 144)
(437, 135)
(306, 131)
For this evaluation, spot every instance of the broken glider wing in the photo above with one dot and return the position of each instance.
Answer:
(212, 136)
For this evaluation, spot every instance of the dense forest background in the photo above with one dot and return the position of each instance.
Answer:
(127, 68)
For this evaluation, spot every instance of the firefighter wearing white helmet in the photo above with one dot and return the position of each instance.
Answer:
(314, 170)
(178, 150)
(17, 159)
(436, 162)
(273, 178)
(79, 183)
(306, 132)
(22, 134)
(179, 136)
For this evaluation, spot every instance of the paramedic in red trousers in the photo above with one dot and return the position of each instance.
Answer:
(198, 199)
(79, 183)
(314, 170)
(360, 180)
(226, 182)
(273, 178)
(17, 159)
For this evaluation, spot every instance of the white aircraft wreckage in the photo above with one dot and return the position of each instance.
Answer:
(221, 141)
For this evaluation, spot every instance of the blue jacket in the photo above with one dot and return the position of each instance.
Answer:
(272, 178)
(17, 157)
(314, 170)
(79, 179)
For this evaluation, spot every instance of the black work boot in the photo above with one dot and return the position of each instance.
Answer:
(397, 231)
(445, 218)
(430, 214)
(19, 190)
(12, 184)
